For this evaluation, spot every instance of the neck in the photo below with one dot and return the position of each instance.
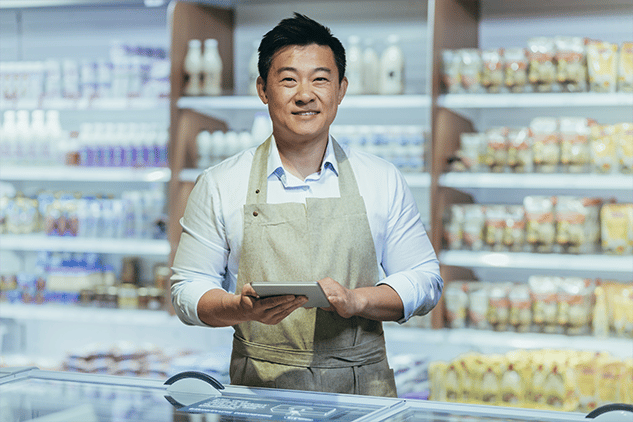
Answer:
(302, 159)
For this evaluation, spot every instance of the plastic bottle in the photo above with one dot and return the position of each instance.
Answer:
(253, 70)
(600, 320)
(55, 134)
(193, 68)
(211, 68)
(354, 66)
(392, 68)
(8, 139)
(371, 69)
(40, 143)
(22, 145)
(203, 145)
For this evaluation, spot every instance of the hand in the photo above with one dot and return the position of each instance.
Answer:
(270, 310)
(345, 302)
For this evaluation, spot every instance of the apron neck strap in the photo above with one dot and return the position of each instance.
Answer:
(258, 179)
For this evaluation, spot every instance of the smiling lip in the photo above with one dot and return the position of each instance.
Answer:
(305, 113)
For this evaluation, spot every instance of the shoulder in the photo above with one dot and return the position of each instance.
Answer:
(230, 171)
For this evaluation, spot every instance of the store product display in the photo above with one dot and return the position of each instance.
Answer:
(66, 278)
(41, 140)
(546, 64)
(548, 145)
(540, 379)
(203, 68)
(545, 304)
(129, 72)
(542, 224)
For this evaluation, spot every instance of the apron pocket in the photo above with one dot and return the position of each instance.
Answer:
(374, 381)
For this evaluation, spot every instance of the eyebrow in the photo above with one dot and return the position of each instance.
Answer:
(294, 69)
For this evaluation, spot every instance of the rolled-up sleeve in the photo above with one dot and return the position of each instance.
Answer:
(408, 258)
(201, 258)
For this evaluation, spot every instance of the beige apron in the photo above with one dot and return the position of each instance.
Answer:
(311, 349)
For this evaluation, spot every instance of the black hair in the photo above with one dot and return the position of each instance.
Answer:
(298, 30)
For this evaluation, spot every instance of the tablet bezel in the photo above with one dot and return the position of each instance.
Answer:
(311, 289)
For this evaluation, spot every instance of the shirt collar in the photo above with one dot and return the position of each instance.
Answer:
(275, 166)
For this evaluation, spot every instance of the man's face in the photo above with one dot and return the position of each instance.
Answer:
(302, 93)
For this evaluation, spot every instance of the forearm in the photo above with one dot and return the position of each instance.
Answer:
(219, 308)
(379, 303)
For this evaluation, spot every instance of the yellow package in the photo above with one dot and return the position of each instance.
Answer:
(437, 376)
(603, 149)
(625, 68)
(627, 381)
(468, 364)
(558, 389)
(609, 381)
(602, 63)
(623, 134)
(452, 386)
(515, 379)
(490, 379)
(586, 376)
(545, 144)
(617, 228)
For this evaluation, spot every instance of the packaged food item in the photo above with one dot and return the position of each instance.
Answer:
(574, 143)
(623, 137)
(471, 70)
(627, 383)
(520, 308)
(495, 226)
(22, 215)
(514, 379)
(575, 299)
(557, 385)
(535, 392)
(545, 144)
(478, 302)
(473, 229)
(540, 229)
(617, 228)
(600, 319)
(516, 69)
(496, 156)
(520, 158)
(603, 149)
(578, 224)
(451, 71)
(468, 364)
(452, 382)
(514, 229)
(499, 306)
(489, 381)
(585, 373)
(609, 380)
(544, 292)
(571, 63)
(542, 71)
(602, 63)
(471, 152)
(456, 304)
(493, 66)
(4, 205)
(437, 380)
(625, 68)
(453, 227)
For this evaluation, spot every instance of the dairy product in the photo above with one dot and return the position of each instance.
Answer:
(371, 69)
(211, 68)
(193, 68)
(392, 68)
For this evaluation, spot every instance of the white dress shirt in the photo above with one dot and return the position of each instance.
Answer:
(208, 254)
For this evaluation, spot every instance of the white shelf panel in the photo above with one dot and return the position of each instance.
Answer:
(581, 182)
(41, 242)
(534, 100)
(209, 104)
(486, 340)
(415, 180)
(84, 174)
(520, 260)
(104, 104)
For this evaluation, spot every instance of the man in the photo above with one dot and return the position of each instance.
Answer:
(301, 208)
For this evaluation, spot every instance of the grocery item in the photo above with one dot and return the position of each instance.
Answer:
(453, 227)
(516, 69)
(473, 227)
(520, 158)
(478, 303)
(514, 230)
(625, 68)
(392, 68)
(544, 291)
(575, 299)
(493, 72)
(499, 306)
(495, 228)
(470, 70)
(471, 151)
(520, 308)
(253, 70)
(496, 153)
(211, 68)
(193, 68)
(617, 228)
(600, 320)
(577, 224)
(542, 70)
(574, 143)
(540, 229)
(371, 69)
(623, 137)
(603, 66)
(603, 149)
(545, 144)
(571, 63)
(456, 304)
(451, 71)
(354, 66)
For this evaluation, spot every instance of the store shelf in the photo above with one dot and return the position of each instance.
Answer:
(415, 180)
(245, 103)
(581, 182)
(521, 260)
(105, 104)
(487, 341)
(41, 242)
(84, 174)
(534, 100)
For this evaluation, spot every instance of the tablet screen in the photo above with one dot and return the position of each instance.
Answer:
(311, 289)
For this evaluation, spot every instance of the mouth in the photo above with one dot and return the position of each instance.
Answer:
(305, 113)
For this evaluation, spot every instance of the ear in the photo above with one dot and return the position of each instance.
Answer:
(342, 89)
(261, 90)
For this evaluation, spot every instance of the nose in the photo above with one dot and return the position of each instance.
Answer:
(304, 94)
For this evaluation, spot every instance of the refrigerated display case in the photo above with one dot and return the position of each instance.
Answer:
(30, 394)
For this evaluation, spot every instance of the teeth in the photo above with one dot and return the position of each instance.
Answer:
(307, 113)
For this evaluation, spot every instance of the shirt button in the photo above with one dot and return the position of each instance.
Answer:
(257, 191)
(255, 213)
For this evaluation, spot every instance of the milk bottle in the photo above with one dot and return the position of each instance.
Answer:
(392, 68)
(371, 69)
(211, 68)
(253, 71)
(193, 68)
(354, 66)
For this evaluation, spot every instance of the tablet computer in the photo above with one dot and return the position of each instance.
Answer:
(311, 289)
